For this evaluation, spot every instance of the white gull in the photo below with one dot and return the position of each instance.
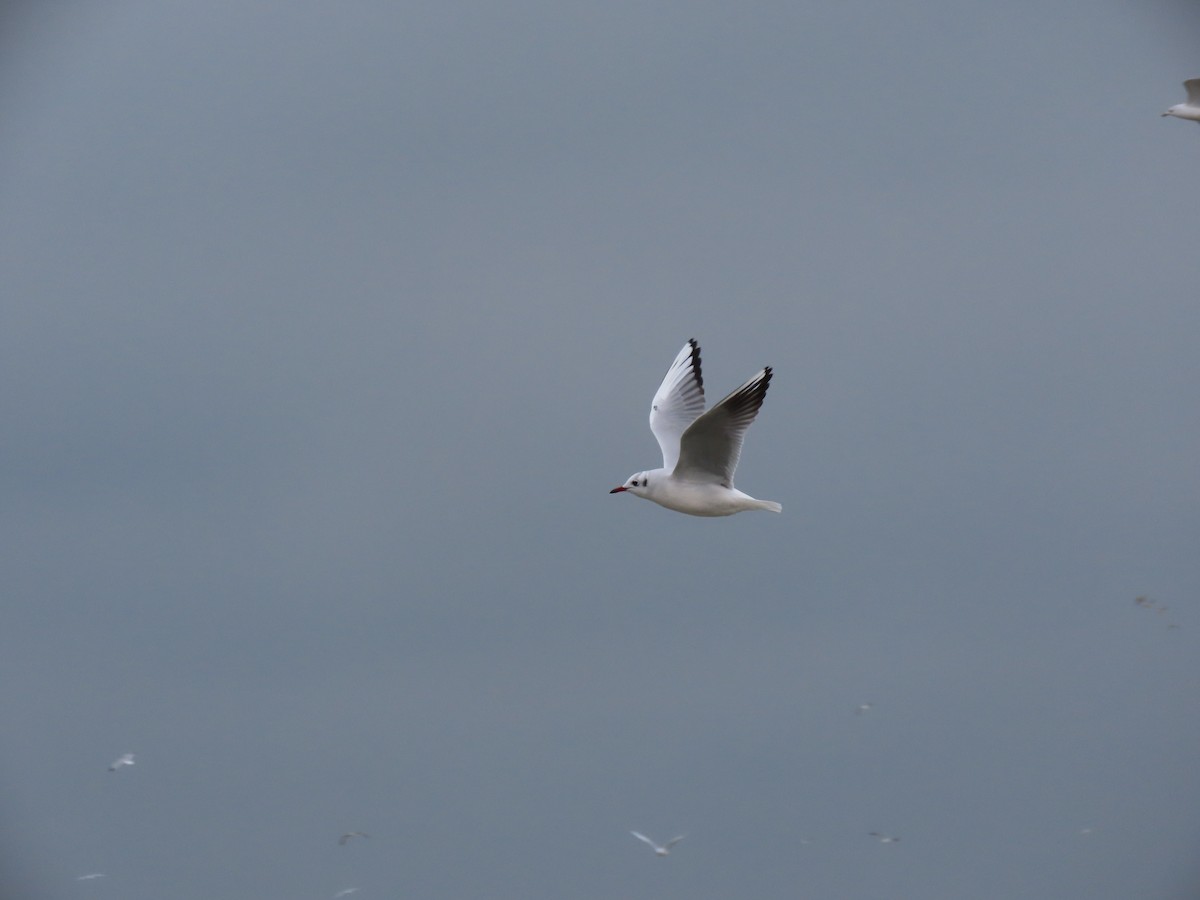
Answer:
(125, 759)
(1190, 109)
(700, 449)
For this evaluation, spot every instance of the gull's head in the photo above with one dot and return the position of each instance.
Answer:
(635, 484)
(1172, 111)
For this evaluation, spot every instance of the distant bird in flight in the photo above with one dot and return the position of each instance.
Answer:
(125, 759)
(345, 838)
(863, 708)
(660, 850)
(90, 877)
(700, 449)
(1147, 603)
(1190, 109)
(343, 892)
(884, 838)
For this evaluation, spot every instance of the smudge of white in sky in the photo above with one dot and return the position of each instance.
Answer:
(345, 838)
(659, 849)
(125, 759)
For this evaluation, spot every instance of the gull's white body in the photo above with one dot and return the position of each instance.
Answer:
(126, 759)
(1191, 109)
(700, 449)
(659, 849)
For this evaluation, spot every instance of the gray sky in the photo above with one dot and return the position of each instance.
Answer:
(327, 330)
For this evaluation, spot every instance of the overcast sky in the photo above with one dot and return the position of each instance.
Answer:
(327, 329)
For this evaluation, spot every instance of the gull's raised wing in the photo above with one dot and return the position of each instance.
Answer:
(678, 403)
(1193, 89)
(711, 446)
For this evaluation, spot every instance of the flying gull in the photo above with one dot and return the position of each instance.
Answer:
(700, 449)
(125, 759)
(659, 849)
(1190, 109)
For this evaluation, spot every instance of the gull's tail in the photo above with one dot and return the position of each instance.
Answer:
(770, 506)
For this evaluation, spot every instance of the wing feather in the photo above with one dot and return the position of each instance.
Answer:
(1193, 91)
(678, 402)
(710, 447)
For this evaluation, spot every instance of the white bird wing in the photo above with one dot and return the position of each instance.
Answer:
(1193, 91)
(673, 841)
(642, 837)
(711, 446)
(678, 402)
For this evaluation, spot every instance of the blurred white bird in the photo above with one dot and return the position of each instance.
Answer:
(90, 877)
(700, 449)
(125, 759)
(883, 838)
(660, 849)
(344, 839)
(343, 892)
(863, 708)
(1190, 109)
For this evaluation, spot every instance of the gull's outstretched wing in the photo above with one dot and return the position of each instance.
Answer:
(678, 403)
(711, 446)
(642, 837)
(1193, 91)
(673, 841)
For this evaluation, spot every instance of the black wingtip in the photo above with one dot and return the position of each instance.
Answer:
(696, 362)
